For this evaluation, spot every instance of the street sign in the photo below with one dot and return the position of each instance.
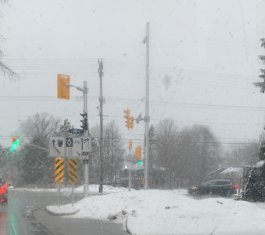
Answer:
(86, 147)
(72, 171)
(69, 142)
(86, 144)
(70, 147)
(77, 147)
(59, 170)
(75, 131)
(56, 146)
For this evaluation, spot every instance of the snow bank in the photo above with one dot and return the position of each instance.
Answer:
(66, 210)
(174, 212)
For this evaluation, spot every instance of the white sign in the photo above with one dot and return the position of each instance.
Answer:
(56, 146)
(86, 144)
(70, 147)
(77, 147)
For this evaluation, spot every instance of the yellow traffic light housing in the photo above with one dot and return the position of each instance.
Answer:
(138, 153)
(63, 86)
(131, 122)
(127, 117)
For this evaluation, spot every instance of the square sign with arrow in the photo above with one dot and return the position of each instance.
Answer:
(70, 147)
(56, 146)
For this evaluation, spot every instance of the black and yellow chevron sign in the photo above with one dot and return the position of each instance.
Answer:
(59, 170)
(72, 171)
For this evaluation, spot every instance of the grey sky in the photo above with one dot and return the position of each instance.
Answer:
(203, 61)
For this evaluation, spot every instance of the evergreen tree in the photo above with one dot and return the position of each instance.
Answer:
(261, 84)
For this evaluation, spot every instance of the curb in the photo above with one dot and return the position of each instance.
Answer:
(126, 226)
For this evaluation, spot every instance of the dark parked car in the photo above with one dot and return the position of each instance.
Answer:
(219, 187)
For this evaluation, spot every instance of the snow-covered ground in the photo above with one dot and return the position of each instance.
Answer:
(58, 210)
(158, 212)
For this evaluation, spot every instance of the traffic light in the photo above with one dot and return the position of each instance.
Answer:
(84, 125)
(131, 122)
(127, 117)
(138, 153)
(63, 86)
(15, 144)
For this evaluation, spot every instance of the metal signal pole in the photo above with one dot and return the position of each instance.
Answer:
(101, 101)
(147, 118)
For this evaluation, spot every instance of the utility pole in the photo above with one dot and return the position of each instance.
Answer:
(86, 133)
(101, 101)
(112, 157)
(147, 118)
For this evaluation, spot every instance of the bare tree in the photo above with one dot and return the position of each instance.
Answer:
(33, 162)
(242, 155)
(5, 69)
(206, 152)
(166, 147)
(113, 153)
(40, 125)
(186, 154)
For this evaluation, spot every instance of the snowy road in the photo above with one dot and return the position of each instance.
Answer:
(27, 216)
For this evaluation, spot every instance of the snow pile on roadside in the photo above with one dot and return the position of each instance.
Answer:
(174, 212)
(59, 210)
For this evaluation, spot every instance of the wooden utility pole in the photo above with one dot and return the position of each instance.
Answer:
(101, 101)
(147, 117)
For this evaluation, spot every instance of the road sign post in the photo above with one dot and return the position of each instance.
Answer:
(73, 147)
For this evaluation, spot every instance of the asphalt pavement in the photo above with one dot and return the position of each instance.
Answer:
(25, 214)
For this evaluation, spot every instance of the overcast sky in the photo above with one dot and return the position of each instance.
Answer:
(203, 62)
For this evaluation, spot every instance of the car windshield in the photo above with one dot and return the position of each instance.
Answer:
(207, 182)
(139, 117)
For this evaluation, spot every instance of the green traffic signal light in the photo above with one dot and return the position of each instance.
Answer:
(139, 163)
(14, 145)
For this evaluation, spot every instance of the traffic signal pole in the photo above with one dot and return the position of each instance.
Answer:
(147, 118)
(130, 170)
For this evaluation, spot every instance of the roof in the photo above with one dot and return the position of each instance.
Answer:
(230, 170)
(259, 164)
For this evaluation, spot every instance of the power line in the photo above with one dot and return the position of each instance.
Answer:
(154, 102)
(139, 140)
